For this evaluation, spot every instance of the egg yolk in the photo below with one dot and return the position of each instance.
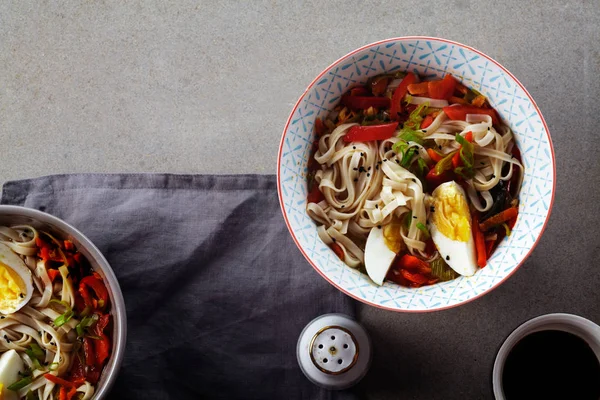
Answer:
(11, 287)
(452, 217)
(392, 237)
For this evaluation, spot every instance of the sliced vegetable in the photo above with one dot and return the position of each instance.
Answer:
(62, 382)
(315, 195)
(399, 93)
(20, 384)
(417, 278)
(360, 133)
(480, 247)
(379, 85)
(418, 88)
(441, 270)
(423, 229)
(408, 261)
(97, 286)
(434, 155)
(478, 101)
(434, 179)
(444, 164)
(499, 218)
(442, 89)
(427, 121)
(463, 161)
(364, 102)
(459, 112)
(337, 250)
(359, 91)
(457, 100)
(88, 351)
(65, 316)
(53, 273)
(507, 229)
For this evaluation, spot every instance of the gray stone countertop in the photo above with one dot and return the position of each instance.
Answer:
(206, 87)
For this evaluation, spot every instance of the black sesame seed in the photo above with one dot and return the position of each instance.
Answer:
(354, 147)
(369, 168)
(447, 258)
(379, 226)
(440, 147)
(432, 209)
(488, 128)
(362, 154)
(414, 180)
(355, 179)
(397, 161)
(368, 174)
(21, 295)
(377, 167)
(356, 169)
(2, 317)
(385, 159)
(414, 216)
(376, 206)
(342, 206)
(423, 130)
(493, 176)
(481, 162)
(52, 344)
(333, 239)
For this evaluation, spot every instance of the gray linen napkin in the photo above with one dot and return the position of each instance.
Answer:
(216, 291)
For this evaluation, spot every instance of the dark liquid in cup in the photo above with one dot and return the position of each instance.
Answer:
(551, 365)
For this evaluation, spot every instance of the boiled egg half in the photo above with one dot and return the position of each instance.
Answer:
(450, 228)
(382, 246)
(16, 285)
(10, 366)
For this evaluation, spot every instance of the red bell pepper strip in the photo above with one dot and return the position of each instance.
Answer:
(408, 261)
(62, 382)
(414, 278)
(428, 120)
(68, 245)
(359, 91)
(337, 250)
(443, 88)
(97, 286)
(457, 100)
(88, 351)
(459, 112)
(363, 102)
(418, 88)
(93, 374)
(367, 133)
(315, 195)
(480, 247)
(434, 179)
(434, 155)
(102, 347)
(499, 218)
(379, 85)
(53, 273)
(71, 393)
(77, 370)
(457, 160)
(399, 94)
(489, 247)
(62, 393)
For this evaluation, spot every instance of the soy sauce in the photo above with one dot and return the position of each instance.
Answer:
(551, 365)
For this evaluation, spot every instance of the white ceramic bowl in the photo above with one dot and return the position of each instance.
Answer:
(576, 325)
(429, 57)
(13, 215)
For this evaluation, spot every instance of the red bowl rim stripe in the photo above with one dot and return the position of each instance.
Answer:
(351, 54)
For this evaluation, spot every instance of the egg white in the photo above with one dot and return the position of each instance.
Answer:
(460, 256)
(378, 256)
(10, 366)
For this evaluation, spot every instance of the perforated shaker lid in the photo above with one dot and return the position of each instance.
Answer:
(334, 351)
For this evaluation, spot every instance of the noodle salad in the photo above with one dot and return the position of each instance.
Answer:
(54, 318)
(413, 181)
